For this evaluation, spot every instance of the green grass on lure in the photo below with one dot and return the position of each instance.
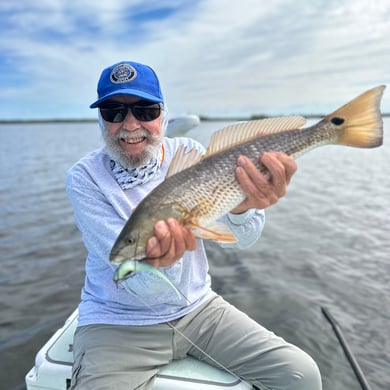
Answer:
(130, 266)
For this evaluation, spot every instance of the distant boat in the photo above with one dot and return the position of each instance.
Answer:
(179, 125)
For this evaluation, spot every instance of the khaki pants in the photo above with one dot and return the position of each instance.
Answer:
(128, 357)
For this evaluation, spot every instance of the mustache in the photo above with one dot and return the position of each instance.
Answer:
(125, 134)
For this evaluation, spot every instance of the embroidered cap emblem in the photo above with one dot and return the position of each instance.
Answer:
(123, 73)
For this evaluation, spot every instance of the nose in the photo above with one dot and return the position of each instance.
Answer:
(131, 122)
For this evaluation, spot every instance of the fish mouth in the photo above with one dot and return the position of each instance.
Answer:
(118, 257)
(118, 278)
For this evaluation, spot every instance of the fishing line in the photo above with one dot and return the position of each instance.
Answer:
(136, 244)
(172, 326)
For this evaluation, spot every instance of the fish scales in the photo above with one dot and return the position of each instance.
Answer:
(200, 194)
(212, 181)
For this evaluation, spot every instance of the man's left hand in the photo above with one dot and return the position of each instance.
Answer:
(260, 191)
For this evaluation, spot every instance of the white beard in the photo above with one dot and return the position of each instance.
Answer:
(128, 161)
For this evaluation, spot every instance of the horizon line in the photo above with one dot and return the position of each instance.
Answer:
(205, 118)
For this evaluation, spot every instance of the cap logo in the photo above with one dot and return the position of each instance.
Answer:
(123, 73)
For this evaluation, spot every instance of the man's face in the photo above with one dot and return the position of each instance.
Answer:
(132, 142)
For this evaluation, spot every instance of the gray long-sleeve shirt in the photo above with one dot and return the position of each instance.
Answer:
(101, 208)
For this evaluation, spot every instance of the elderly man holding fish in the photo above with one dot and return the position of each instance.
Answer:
(132, 326)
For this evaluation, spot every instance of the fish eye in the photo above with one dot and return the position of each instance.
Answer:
(337, 121)
(130, 241)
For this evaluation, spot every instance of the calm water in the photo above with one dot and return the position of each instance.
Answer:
(326, 243)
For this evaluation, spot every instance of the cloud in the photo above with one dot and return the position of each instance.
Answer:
(212, 57)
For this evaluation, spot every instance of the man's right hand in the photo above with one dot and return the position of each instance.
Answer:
(169, 243)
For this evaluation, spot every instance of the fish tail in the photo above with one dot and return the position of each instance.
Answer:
(360, 121)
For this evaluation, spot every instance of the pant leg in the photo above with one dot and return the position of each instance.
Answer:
(247, 349)
(119, 357)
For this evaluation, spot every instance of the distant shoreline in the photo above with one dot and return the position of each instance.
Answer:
(28, 121)
(201, 117)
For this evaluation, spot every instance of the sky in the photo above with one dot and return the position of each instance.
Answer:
(213, 57)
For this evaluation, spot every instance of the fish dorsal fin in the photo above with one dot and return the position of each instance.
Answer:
(182, 160)
(244, 131)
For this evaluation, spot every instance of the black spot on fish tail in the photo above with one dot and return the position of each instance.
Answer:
(337, 121)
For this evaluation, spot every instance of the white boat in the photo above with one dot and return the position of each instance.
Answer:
(179, 125)
(53, 368)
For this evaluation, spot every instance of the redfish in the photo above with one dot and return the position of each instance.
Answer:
(199, 190)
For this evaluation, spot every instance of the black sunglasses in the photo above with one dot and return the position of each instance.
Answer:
(143, 111)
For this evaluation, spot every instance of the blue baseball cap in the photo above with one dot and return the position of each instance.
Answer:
(128, 78)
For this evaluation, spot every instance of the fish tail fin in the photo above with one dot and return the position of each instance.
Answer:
(360, 120)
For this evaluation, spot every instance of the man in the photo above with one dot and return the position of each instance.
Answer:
(126, 334)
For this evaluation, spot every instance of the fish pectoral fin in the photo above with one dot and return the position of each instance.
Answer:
(218, 231)
(183, 159)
